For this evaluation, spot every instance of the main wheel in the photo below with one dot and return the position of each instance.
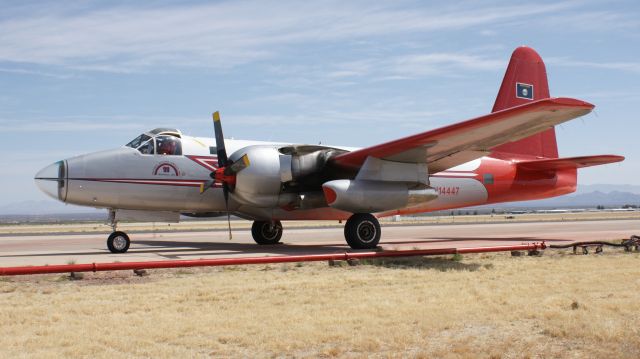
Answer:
(362, 231)
(118, 242)
(266, 232)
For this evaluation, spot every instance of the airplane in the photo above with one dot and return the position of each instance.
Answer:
(510, 154)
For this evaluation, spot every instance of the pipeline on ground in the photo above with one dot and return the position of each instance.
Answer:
(628, 244)
(99, 267)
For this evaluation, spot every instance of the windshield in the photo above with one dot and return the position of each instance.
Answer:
(161, 145)
(147, 147)
(138, 141)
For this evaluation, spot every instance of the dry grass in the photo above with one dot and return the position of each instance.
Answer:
(489, 305)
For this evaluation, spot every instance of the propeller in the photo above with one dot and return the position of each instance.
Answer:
(226, 172)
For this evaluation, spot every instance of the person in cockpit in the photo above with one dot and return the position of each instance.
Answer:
(168, 147)
(151, 143)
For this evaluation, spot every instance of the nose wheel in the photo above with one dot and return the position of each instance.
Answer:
(118, 242)
(266, 232)
(362, 231)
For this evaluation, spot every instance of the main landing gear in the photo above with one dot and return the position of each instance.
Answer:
(266, 232)
(362, 231)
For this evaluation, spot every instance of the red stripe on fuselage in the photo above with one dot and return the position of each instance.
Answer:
(147, 181)
(208, 162)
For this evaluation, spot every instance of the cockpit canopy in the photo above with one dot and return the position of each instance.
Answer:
(159, 141)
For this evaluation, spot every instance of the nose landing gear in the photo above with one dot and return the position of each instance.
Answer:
(118, 242)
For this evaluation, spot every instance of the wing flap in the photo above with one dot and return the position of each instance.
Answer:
(569, 162)
(453, 145)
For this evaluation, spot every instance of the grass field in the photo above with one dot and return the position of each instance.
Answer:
(484, 305)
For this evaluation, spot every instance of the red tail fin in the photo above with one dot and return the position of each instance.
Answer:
(525, 81)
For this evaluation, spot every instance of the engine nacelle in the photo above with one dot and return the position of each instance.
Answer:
(259, 184)
(362, 196)
(279, 176)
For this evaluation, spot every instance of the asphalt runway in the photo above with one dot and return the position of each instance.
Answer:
(21, 250)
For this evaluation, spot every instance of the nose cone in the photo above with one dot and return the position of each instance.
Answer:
(51, 180)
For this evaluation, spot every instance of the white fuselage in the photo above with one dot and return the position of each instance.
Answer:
(124, 178)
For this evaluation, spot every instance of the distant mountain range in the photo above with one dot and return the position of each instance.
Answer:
(586, 196)
(607, 188)
(42, 207)
(581, 199)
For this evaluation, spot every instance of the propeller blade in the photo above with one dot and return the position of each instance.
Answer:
(222, 165)
(206, 185)
(221, 149)
(238, 165)
(225, 192)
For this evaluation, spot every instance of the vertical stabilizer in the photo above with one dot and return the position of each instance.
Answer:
(524, 81)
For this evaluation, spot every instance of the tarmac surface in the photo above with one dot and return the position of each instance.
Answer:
(22, 250)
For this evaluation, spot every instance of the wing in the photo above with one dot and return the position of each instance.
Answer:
(462, 142)
(569, 162)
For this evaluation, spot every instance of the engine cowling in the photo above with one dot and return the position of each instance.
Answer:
(363, 196)
(281, 176)
(259, 184)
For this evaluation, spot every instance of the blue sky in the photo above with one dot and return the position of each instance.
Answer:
(78, 77)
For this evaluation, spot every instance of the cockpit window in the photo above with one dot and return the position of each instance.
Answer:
(161, 144)
(168, 145)
(138, 141)
(147, 147)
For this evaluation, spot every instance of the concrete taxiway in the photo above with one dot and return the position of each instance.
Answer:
(21, 250)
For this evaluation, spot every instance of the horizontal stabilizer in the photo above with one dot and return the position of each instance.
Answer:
(569, 162)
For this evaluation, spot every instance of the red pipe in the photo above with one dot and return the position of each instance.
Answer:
(99, 267)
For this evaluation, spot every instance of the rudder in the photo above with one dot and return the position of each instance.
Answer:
(524, 81)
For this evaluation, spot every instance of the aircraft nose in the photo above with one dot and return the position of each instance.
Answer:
(52, 180)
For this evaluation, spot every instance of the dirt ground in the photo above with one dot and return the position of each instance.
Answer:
(482, 305)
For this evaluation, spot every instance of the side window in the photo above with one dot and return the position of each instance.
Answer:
(147, 147)
(168, 145)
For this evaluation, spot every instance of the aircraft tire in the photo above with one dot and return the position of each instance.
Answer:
(266, 232)
(118, 242)
(362, 231)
